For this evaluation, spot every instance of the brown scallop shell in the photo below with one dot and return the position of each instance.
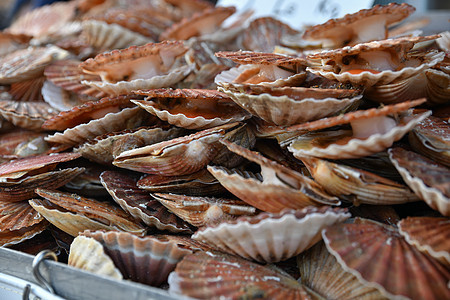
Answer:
(143, 259)
(213, 275)
(431, 137)
(429, 235)
(264, 34)
(356, 185)
(258, 58)
(189, 7)
(285, 106)
(105, 37)
(88, 254)
(200, 24)
(125, 119)
(28, 115)
(346, 30)
(10, 43)
(179, 156)
(263, 237)
(109, 216)
(276, 188)
(200, 183)
(401, 269)
(428, 179)
(67, 75)
(29, 63)
(200, 211)
(103, 149)
(28, 90)
(21, 143)
(321, 272)
(137, 202)
(24, 189)
(44, 20)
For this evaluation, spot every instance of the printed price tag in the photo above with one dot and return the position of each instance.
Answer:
(299, 13)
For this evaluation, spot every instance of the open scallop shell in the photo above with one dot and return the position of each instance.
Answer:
(356, 185)
(104, 36)
(212, 275)
(125, 119)
(282, 108)
(143, 259)
(272, 237)
(28, 115)
(87, 254)
(58, 98)
(138, 202)
(200, 211)
(429, 180)
(430, 235)
(402, 270)
(320, 271)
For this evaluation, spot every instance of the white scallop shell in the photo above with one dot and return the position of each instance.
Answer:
(58, 98)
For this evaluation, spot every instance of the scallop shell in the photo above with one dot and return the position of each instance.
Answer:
(320, 272)
(105, 37)
(125, 119)
(191, 109)
(105, 148)
(362, 26)
(29, 63)
(12, 237)
(196, 275)
(258, 58)
(431, 137)
(200, 24)
(17, 216)
(385, 214)
(190, 7)
(429, 235)
(438, 86)
(276, 188)
(10, 43)
(354, 147)
(24, 189)
(263, 34)
(426, 178)
(200, 211)
(67, 75)
(263, 237)
(87, 254)
(139, 203)
(21, 143)
(147, 260)
(105, 214)
(28, 115)
(402, 270)
(278, 105)
(27, 90)
(180, 156)
(59, 98)
(356, 185)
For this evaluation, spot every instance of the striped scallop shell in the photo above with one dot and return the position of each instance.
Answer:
(59, 98)
(28, 115)
(271, 237)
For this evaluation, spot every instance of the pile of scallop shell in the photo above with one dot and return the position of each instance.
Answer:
(148, 141)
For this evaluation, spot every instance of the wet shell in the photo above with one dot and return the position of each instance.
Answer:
(201, 24)
(28, 63)
(429, 180)
(271, 237)
(105, 37)
(288, 105)
(196, 275)
(431, 137)
(28, 115)
(263, 34)
(59, 98)
(105, 214)
(87, 254)
(138, 202)
(321, 272)
(125, 119)
(147, 260)
(429, 235)
(356, 185)
(200, 211)
(191, 109)
(362, 26)
(180, 156)
(67, 75)
(24, 189)
(401, 269)
(105, 148)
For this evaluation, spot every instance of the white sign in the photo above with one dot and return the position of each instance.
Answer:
(298, 13)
